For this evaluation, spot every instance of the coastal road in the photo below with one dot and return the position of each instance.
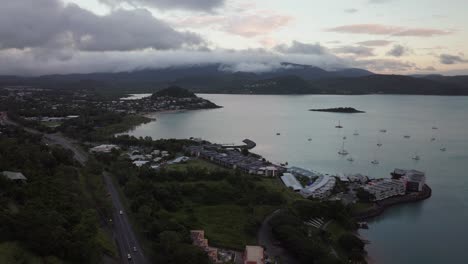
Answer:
(122, 231)
(265, 238)
(125, 235)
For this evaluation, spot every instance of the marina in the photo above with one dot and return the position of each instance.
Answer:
(229, 124)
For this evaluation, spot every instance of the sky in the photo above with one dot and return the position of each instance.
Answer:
(384, 36)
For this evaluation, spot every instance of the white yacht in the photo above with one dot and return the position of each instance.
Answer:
(339, 125)
(375, 162)
(343, 151)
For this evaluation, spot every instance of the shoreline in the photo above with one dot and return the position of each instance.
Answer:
(380, 207)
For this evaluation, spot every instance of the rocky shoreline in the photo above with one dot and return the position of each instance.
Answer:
(380, 206)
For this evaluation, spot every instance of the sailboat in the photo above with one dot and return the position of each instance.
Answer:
(343, 151)
(356, 133)
(339, 125)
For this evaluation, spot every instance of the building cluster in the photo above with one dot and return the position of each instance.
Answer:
(233, 159)
(385, 188)
(51, 119)
(58, 105)
(140, 156)
(216, 255)
(320, 188)
(402, 182)
(155, 104)
(414, 179)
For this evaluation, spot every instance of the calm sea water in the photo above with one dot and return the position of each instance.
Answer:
(433, 231)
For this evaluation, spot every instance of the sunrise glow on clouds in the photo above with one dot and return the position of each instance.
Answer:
(386, 36)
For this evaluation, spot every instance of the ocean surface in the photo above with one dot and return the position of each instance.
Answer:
(432, 231)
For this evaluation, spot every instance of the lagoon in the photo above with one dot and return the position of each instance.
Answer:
(432, 231)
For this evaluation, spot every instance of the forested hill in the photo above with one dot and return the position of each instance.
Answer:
(174, 91)
(218, 78)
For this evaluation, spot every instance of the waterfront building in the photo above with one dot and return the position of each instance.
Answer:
(231, 159)
(385, 188)
(291, 182)
(254, 255)
(357, 178)
(415, 180)
(320, 188)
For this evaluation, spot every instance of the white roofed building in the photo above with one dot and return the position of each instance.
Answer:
(321, 188)
(291, 182)
(106, 148)
(14, 176)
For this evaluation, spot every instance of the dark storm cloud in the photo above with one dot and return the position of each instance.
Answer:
(200, 5)
(297, 47)
(451, 59)
(51, 24)
(398, 51)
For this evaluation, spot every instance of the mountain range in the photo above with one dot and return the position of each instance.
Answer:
(218, 78)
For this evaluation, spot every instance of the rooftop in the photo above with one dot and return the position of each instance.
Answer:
(14, 175)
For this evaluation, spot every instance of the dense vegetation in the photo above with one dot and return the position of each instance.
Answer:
(228, 205)
(100, 125)
(217, 78)
(312, 245)
(174, 91)
(53, 214)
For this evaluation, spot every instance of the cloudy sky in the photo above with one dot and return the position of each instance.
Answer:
(384, 36)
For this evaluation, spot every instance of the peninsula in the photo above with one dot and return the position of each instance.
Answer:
(345, 110)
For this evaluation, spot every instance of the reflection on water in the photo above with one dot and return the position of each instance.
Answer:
(433, 231)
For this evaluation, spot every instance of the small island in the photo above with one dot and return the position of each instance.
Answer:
(346, 110)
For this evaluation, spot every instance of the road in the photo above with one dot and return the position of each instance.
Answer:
(266, 239)
(122, 231)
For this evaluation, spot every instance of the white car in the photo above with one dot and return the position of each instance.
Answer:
(134, 249)
(121, 212)
(129, 257)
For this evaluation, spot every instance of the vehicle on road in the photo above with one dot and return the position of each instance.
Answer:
(129, 257)
(134, 249)
(121, 212)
